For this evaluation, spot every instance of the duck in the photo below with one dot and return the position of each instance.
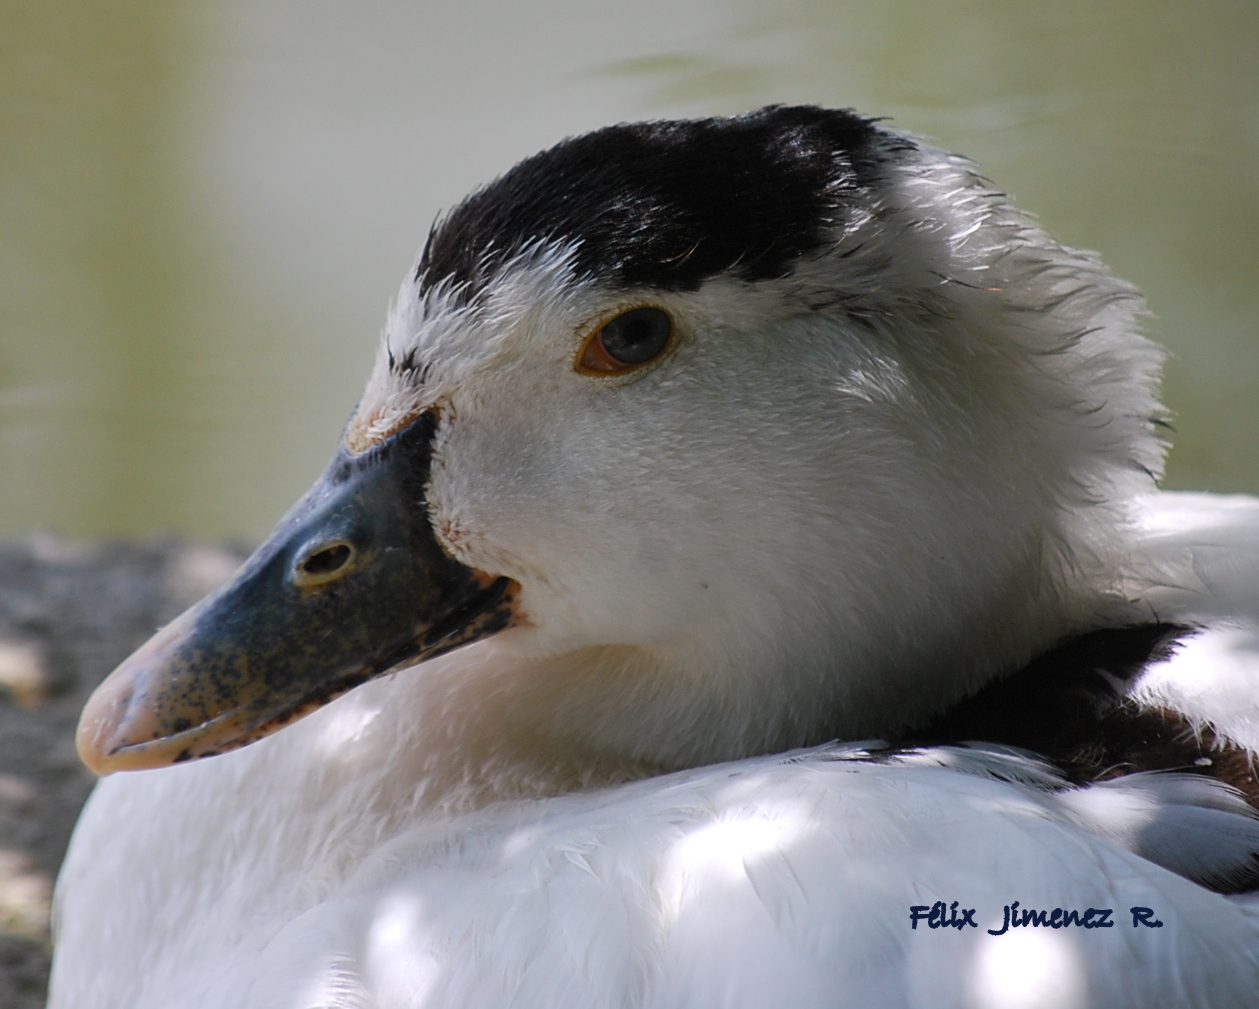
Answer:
(743, 582)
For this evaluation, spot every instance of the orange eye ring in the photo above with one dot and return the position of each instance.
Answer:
(626, 342)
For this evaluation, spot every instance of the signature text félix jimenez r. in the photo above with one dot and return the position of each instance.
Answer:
(941, 915)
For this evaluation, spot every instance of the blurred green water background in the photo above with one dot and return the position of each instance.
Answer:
(205, 207)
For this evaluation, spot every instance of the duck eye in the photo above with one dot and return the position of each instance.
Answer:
(632, 338)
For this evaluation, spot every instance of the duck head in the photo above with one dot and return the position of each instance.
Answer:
(749, 432)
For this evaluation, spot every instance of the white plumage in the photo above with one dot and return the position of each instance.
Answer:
(846, 497)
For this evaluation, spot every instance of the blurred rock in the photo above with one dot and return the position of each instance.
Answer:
(22, 673)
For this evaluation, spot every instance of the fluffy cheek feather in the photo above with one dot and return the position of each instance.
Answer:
(766, 551)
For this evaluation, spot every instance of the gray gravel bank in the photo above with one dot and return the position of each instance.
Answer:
(68, 614)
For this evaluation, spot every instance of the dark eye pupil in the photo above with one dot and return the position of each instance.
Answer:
(638, 335)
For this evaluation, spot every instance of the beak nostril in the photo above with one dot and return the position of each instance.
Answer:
(324, 564)
(326, 561)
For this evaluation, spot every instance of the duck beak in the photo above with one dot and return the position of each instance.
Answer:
(351, 584)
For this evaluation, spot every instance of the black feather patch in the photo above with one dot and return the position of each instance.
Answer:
(669, 204)
(1067, 706)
